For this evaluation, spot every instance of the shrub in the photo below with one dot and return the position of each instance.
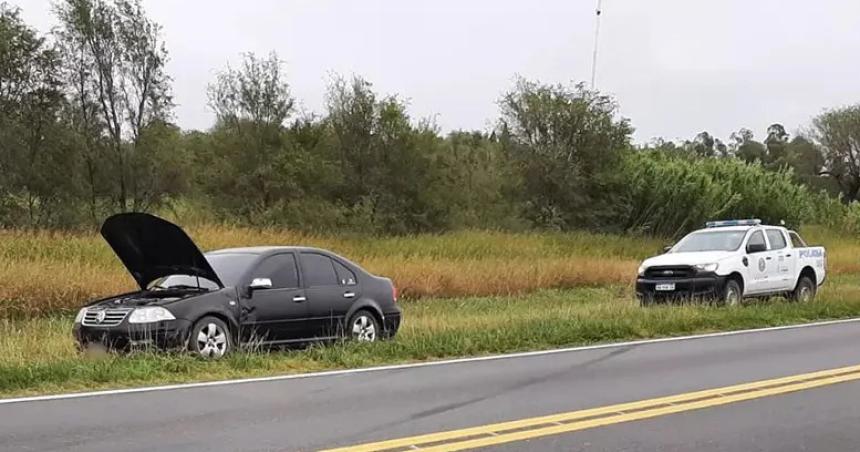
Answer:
(671, 194)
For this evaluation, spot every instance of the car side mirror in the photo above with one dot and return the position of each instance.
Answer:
(667, 248)
(753, 248)
(260, 283)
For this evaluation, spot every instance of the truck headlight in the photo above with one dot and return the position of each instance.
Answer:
(707, 267)
(150, 314)
(80, 317)
(642, 269)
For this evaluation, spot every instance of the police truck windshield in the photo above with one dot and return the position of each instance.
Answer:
(710, 241)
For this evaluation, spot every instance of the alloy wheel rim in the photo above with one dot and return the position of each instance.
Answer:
(363, 329)
(211, 341)
(732, 297)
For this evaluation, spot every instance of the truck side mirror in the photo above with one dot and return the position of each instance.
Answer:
(753, 248)
(667, 248)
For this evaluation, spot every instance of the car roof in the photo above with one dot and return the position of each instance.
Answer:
(265, 249)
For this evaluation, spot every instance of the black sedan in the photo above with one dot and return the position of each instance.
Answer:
(210, 303)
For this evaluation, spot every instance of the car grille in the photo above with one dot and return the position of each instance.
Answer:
(670, 272)
(105, 317)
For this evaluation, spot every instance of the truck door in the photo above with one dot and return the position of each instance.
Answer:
(781, 276)
(757, 254)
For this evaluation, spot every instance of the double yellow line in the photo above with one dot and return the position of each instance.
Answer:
(505, 432)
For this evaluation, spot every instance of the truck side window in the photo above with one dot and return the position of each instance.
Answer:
(796, 240)
(776, 239)
(757, 238)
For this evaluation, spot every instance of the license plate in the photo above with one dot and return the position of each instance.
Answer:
(665, 287)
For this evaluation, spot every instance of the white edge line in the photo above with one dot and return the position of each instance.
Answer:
(331, 373)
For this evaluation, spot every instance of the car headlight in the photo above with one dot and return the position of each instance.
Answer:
(150, 314)
(642, 269)
(707, 267)
(80, 317)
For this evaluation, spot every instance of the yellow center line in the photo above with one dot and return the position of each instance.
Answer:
(498, 433)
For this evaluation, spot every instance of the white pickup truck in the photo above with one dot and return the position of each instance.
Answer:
(730, 260)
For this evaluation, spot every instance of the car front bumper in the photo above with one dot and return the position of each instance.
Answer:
(162, 335)
(706, 285)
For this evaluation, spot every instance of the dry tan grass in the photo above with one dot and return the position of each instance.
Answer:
(46, 272)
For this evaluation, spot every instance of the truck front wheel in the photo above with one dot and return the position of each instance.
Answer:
(732, 294)
(805, 290)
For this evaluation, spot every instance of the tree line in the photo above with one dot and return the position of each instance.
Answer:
(86, 130)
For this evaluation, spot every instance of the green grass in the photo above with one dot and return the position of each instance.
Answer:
(38, 355)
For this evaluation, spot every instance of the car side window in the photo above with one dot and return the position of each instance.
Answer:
(757, 239)
(345, 276)
(281, 269)
(776, 239)
(796, 240)
(318, 270)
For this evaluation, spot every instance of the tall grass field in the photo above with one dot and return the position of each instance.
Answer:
(464, 293)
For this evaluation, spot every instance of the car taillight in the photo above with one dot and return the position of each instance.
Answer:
(394, 292)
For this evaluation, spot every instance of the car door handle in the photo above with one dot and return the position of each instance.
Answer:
(299, 298)
(768, 258)
(788, 255)
(349, 295)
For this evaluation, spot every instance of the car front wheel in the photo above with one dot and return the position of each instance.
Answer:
(732, 294)
(364, 327)
(210, 338)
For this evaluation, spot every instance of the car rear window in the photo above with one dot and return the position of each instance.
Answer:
(318, 270)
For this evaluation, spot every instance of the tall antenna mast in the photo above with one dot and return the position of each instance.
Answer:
(596, 36)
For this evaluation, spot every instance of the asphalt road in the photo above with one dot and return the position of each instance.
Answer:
(348, 409)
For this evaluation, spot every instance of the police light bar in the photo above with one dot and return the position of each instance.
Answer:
(720, 224)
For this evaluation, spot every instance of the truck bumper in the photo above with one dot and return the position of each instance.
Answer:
(700, 286)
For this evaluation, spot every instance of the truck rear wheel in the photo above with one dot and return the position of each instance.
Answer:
(805, 290)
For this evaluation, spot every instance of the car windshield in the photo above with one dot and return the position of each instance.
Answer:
(228, 266)
(710, 241)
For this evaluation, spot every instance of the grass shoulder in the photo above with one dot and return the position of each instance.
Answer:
(37, 356)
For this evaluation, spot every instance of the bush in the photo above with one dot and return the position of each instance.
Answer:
(670, 194)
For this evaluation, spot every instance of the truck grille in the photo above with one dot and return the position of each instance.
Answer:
(105, 317)
(670, 272)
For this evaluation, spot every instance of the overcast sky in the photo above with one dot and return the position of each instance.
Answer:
(677, 67)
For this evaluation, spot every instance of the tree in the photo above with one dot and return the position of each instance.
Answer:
(35, 185)
(390, 166)
(745, 147)
(776, 141)
(117, 61)
(837, 131)
(255, 94)
(566, 142)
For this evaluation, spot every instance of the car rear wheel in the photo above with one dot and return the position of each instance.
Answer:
(364, 327)
(732, 294)
(210, 338)
(805, 290)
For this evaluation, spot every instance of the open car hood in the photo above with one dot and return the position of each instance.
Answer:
(152, 248)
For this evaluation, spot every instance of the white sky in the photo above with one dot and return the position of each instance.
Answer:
(677, 67)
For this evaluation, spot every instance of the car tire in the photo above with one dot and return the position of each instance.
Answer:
(363, 327)
(210, 338)
(732, 294)
(804, 292)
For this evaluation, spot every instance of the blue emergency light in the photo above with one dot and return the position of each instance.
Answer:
(725, 223)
